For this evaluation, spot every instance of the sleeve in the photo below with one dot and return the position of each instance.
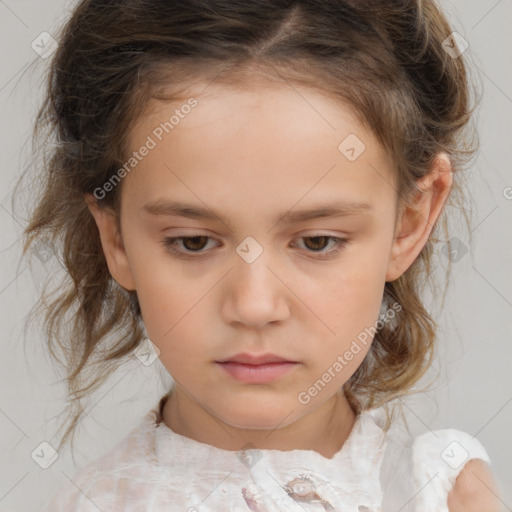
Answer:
(70, 497)
(91, 489)
(438, 458)
(121, 479)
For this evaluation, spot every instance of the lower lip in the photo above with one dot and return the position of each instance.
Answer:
(257, 374)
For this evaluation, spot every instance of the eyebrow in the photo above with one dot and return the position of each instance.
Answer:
(337, 208)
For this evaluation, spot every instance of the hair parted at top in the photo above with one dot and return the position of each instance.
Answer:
(385, 60)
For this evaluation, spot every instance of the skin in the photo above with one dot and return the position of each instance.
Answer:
(475, 490)
(225, 155)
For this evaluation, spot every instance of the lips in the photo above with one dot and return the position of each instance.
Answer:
(256, 360)
(262, 373)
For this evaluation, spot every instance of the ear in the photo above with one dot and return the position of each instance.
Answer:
(419, 216)
(112, 243)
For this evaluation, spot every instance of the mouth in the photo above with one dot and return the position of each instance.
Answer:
(256, 359)
(257, 369)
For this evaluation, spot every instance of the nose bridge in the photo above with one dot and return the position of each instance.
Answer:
(252, 270)
(255, 295)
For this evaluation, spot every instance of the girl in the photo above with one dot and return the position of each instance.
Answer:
(256, 188)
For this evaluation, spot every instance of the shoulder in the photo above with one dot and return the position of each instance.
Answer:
(103, 482)
(474, 489)
(453, 468)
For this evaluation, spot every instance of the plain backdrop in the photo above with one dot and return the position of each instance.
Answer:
(474, 389)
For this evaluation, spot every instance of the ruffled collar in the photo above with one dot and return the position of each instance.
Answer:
(367, 427)
(350, 477)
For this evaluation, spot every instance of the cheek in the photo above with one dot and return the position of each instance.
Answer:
(167, 308)
(351, 312)
(173, 310)
(160, 294)
(351, 300)
(348, 307)
(173, 325)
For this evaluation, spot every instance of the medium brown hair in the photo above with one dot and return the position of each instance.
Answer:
(386, 60)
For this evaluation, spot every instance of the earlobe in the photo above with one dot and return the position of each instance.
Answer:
(111, 243)
(418, 218)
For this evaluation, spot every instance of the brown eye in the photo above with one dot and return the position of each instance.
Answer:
(319, 242)
(196, 242)
(190, 244)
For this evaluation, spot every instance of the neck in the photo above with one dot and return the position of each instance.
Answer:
(323, 430)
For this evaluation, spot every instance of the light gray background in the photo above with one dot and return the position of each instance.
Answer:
(474, 390)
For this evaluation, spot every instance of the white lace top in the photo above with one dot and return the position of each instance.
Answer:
(153, 469)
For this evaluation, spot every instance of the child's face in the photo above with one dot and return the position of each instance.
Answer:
(251, 157)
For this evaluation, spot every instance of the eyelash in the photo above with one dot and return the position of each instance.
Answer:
(170, 244)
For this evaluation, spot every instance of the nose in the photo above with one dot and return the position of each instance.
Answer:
(255, 294)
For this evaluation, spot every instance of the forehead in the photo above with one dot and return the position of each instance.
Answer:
(221, 142)
(267, 102)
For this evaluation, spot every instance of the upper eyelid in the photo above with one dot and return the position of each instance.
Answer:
(314, 234)
(306, 234)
